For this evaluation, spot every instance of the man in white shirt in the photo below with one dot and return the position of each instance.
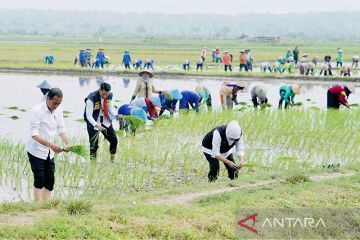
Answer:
(46, 120)
(98, 116)
(217, 145)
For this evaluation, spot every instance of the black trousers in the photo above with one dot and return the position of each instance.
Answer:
(243, 66)
(226, 67)
(109, 135)
(215, 168)
(43, 170)
(332, 101)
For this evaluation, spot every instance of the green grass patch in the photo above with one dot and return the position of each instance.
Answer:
(299, 178)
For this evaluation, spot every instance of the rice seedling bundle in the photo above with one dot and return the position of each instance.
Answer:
(79, 150)
(134, 122)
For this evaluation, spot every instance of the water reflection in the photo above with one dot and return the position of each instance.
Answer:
(76, 89)
(84, 81)
(126, 82)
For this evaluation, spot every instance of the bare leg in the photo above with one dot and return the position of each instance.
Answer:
(46, 194)
(37, 194)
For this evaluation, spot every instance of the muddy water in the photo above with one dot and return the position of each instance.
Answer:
(19, 90)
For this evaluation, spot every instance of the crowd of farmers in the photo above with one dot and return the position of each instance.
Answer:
(292, 60)
(149, 103)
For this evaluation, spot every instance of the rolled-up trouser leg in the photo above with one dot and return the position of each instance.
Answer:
(49, 174)
(229, 102)
(43, 171)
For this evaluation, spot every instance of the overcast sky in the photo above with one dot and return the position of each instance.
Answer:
(187, 6)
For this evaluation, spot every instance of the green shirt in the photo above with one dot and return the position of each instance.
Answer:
(288, 93)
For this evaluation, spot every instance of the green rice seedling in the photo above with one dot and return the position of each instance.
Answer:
(80, 120)
(79, 150)
(14, 117)
(134, 122)
(12, 108)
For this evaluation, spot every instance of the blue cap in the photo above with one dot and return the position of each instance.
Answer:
(44, 85)
(139, 112)
(156, 100)
(175, 94)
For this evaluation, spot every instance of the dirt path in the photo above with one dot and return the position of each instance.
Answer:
(31, 218)
(190, 197)
(24, 219)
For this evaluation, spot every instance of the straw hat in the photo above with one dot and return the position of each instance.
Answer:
(146, 71)
(351, 88)
(296, 89)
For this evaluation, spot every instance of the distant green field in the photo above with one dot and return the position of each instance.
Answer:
(27, 52)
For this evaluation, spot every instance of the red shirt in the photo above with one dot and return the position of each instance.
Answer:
(226, 59)
(339, 91)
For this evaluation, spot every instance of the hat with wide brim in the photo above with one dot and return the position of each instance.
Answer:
(139, 112)
(101, 49)
(305, 55)
(175, 94)
(261, 93)
(44, 85)
(146, 71)
(236, 84)
(296, 89)
(351, 88)
(156, 100)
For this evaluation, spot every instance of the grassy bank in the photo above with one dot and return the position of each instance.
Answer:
(210, 217)
(167, 160)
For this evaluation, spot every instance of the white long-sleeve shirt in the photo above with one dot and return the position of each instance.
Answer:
(47, 125)
(216, 143)
(90, 109)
